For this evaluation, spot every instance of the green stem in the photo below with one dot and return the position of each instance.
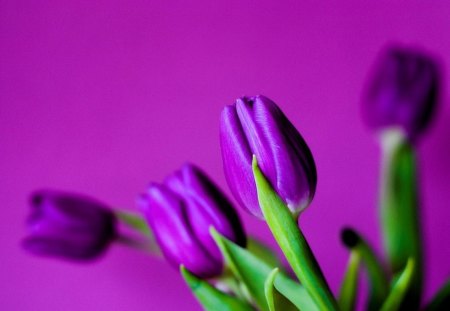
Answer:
(292, 242)
(399, 206)
(139, 244)
(400, 288)
(347, 295)
(134, 221)
(379, 282)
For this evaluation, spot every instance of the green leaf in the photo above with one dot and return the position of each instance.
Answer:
(350, 283)
(441, 300)
(284, 227)
(399, 206)
(275, 300)
(263, 252)
(295, 292)
(253, 272)
(398, 291)
(209, 297)
(246, 267)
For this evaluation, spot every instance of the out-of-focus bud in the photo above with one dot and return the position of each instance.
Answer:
(257, 126)
(402, 92)
(68, 226)
(180, 213)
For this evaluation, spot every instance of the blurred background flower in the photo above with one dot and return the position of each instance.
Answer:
(403, 91)
(101, 97)
(69, 226)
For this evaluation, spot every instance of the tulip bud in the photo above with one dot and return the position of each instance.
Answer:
(68, 226)
(402, 92)
(257, 126)
(180, 213)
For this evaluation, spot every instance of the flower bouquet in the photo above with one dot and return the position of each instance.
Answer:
(272, 174)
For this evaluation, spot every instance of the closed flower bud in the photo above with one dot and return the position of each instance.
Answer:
(402, 92)
(257, 126)
(68, 226)
(180, 213)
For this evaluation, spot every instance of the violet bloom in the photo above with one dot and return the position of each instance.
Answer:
(402, 92)
(256, 125)
(180, 213)
(68, 226)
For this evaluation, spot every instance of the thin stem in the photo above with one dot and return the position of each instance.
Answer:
(347, 295)
(379, 282)
(133, 221)
(145, 240)
(399, 207)
(400, 288)
(139, 244)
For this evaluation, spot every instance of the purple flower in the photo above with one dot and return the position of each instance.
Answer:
(181, 211)
(402, 92)
(256, 125)
(68, 226)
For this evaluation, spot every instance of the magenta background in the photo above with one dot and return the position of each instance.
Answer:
(103, 97)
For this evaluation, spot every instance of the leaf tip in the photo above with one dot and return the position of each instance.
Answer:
(190, 279)
(255, 166)
(215, 235)
(184, 272)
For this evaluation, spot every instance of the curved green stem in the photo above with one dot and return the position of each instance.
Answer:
(400, 288)
(133, 221)
(379, 282)
(347, 295)
(292, 242)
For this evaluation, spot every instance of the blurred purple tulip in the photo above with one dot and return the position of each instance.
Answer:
(68, 226)
(402, 92)
(181, 211)
(256, 125)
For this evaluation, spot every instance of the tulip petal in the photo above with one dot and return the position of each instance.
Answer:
(207, 206)
(237, 156)
(166, 213)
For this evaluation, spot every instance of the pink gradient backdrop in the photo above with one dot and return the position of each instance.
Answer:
(101, 97)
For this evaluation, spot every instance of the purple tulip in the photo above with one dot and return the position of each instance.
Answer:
(68, 226)
(181, 211)
(402, 92)
(256, 125)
